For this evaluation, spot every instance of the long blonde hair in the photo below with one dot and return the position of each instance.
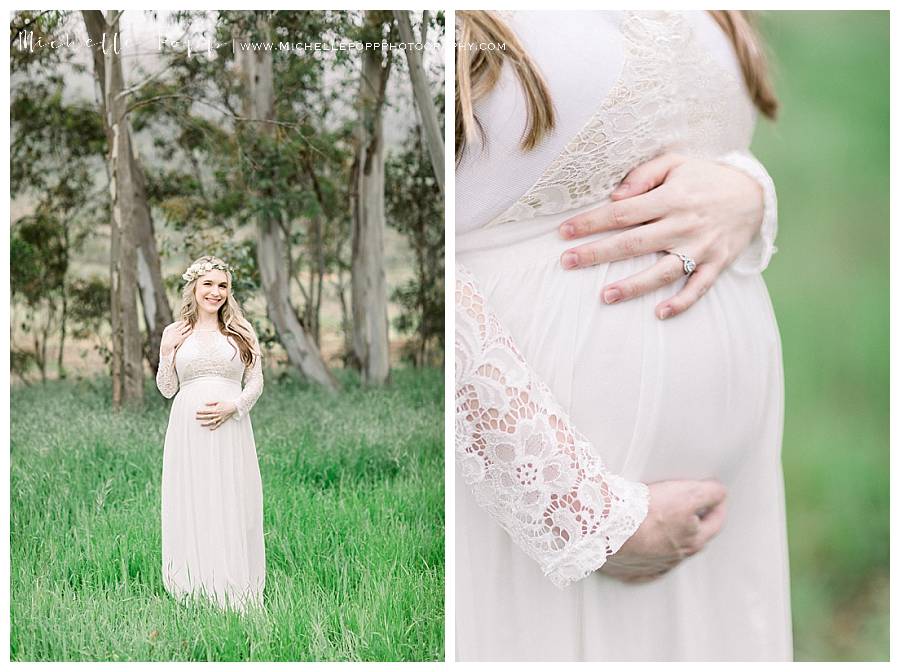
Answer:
(231, 318)
(478, 70)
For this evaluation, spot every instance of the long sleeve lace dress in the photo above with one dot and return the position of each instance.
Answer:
(212, 534)
(566, 406)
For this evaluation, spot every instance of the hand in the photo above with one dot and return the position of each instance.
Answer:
(701, 208)
(173, 336)
(214, 413)
(683, 516)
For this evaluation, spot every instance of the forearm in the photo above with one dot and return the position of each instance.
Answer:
(527, 465)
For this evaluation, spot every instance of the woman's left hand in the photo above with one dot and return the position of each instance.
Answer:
(215, 413)
(698, 207)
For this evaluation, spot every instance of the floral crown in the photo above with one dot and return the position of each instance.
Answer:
(199, 268)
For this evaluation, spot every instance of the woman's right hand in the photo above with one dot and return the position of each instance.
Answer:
(682, 517)
(173, 336)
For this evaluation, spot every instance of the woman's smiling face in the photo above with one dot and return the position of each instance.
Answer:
(211, 291)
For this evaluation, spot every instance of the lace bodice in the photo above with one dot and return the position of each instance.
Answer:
(671, 95)
(644, 83)
(527, 465)
(210, 353)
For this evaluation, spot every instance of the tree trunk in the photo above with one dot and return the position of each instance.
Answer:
(434, 135)
(368, 285)
(318, 251)
(64, 310)
(127, 363)
(349, 356)
(156, 310)
(259, 104)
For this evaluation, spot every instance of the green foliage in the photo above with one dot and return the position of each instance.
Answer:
(56, 148)
(353, 519)
(211, 173)
(89, 312)
(55, 145)
(227, 172)
(35, 27)
(39, 258)
(415, 208)
(21, 362)
(829, 157)
(38, 264)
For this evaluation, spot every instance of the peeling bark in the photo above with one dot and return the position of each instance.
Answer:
(368, 285)
(434, 135)
(157, 312)
(127, 364)
(259, 104)
(156, 309)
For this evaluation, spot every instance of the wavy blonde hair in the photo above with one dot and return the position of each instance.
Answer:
(231, 318)
(477, 72)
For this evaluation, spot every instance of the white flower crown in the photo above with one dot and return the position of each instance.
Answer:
(194, 271)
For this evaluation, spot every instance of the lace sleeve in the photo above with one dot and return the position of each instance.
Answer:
(166, 376)
(526, 464)
(253, 386)
(756, 257)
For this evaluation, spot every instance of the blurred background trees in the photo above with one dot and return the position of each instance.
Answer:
(828, 154)
(139, 155)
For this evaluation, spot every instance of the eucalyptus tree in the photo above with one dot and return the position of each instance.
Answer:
(368, 283)
(415, 209)
(424, 100)
(257, 75)
(134, 257)
(127, 368)
(260, 154)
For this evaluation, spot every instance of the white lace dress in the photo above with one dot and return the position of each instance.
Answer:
(566, 406)
(212, 514)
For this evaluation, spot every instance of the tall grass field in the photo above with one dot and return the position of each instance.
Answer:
(353, 495)
(829, 157)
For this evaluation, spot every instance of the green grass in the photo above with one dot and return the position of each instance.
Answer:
(353, 490)
(829, 156)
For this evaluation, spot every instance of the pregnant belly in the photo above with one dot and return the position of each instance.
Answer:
(680, 398)
(197, 392)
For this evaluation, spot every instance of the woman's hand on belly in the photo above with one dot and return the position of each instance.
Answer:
(214, 413)
(698, 207)
(683, 516)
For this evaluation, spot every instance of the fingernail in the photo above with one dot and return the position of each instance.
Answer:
(611, 295)
(665, 312)
(567, 230)
(569, 260)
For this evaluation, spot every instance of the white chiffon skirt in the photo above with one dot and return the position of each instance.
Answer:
(696, 396)
(212, 534)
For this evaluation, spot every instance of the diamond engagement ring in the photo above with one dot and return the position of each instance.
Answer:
(689, 264)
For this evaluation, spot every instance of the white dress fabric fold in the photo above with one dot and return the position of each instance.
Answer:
(696, 396)
(212, 513)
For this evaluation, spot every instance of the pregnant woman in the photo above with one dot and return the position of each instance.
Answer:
(212, 535)
(591, 402)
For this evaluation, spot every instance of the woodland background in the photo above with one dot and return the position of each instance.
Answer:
(310, 171)
(318, 174)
